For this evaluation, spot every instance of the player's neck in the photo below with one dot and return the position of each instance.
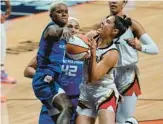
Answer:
(105, 42)
(120, 14)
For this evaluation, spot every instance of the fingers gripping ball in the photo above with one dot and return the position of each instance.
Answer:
(77, 47)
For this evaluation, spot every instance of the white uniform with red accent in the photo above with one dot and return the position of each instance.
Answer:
(125, 75)
(126, 67)
(93, 95)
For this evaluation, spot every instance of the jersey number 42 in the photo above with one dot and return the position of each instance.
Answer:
(69, 70)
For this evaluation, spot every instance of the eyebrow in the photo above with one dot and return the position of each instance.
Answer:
(73, 25)
(108, 20)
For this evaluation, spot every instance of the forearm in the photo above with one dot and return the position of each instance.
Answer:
(8, 10)
(148, 45)
(93, 71)
(53, 33)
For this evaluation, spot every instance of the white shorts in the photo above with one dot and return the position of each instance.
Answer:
(94, 98)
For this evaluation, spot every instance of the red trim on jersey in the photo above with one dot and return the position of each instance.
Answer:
(133, 88)
(108, 103)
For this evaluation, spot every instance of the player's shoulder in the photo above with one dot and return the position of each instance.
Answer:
(52, 26)
(135, 24)
(111, 50)
(137, 28)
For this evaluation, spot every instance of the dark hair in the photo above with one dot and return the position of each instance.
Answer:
(122, 24)
(126, 1)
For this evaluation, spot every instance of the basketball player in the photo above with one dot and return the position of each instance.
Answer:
(49, 61)
(98, 93)
(127, 71)
(4, 76)
(69, 80)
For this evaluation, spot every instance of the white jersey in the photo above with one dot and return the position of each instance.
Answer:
(128, 55)
(108, 78)
(126, 67)
(92, 95)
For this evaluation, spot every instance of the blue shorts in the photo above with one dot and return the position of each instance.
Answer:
(44, 91)
(46, 119)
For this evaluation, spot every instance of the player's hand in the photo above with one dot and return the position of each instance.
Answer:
(133, 43)
(3, 18)
(48, 79)
(93, 45)
(91, 34)
(66, 34)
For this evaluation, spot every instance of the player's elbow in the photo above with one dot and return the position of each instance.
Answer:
(150, 49)
(29, 73)
(157, 50)
(94, 78)
(26, 73)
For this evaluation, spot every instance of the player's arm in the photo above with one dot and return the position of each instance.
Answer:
(30, 70)
(147, 45)
(98, 70)
(8, 9)
(7, 12)
(54, 33)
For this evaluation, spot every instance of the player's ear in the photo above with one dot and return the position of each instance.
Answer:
(115, 32)
(124, 3)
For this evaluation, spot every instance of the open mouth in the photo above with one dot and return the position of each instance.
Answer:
(113, 6)
(64, 18)
(100, 30)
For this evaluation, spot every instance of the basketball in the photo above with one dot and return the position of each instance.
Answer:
(77, 47)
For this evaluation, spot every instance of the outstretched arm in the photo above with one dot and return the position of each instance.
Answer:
(54, 33)
(147, 44)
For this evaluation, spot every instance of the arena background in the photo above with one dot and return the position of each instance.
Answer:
(23, 33)
(22, 8)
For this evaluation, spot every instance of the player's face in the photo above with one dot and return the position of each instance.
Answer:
(60, 15)
(107, 27)
(116, 6)
(73, 26)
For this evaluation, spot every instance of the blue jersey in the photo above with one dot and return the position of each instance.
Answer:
(71, 76)
(50, 54)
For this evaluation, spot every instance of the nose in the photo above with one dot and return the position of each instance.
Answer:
(64, 13)
(113, 1)
(102, 23)
(73, 30)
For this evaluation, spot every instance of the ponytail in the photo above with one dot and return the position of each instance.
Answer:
(122, 25)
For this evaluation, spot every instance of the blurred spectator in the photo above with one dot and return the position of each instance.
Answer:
(4, 76)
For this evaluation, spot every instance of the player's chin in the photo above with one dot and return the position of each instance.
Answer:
(114, 12)
(99, 31)
(63, 22)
